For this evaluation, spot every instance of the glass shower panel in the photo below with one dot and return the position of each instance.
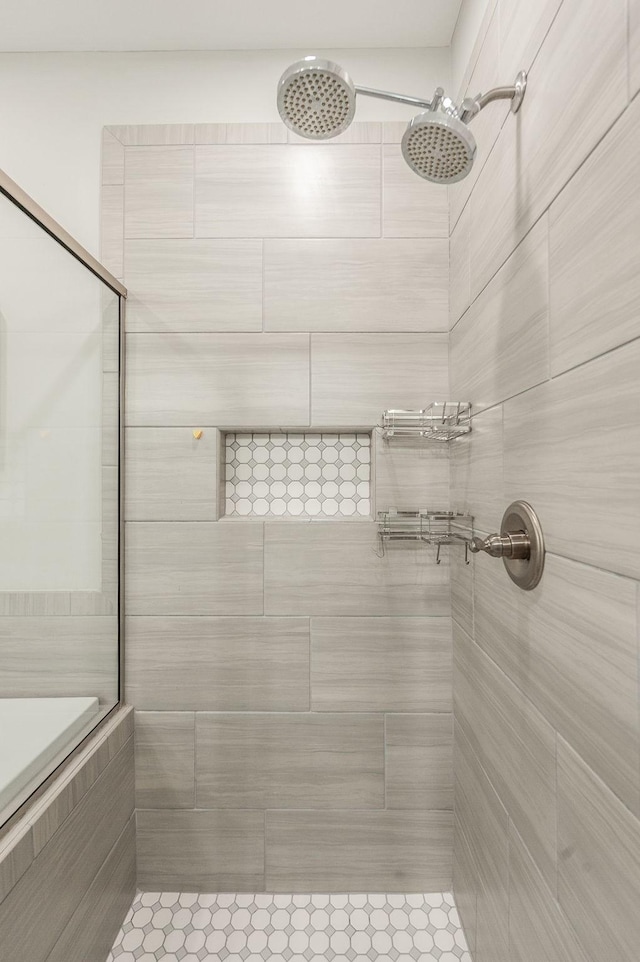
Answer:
(59, 502)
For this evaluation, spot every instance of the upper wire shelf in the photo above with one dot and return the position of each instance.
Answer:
(439, 421)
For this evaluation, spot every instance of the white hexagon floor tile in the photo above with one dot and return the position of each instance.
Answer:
(183, 927)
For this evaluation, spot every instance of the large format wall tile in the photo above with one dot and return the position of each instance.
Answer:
(194, 568)
(356, 285)
(465, 884)
(74, 857)
(201, 851)
(598, 862)
(194, 285)
(170, 475)
(514, 743)
(459, 267)
(484, 823)
(486, 126)
(220, 687)
(289, 760)
(634, 47)
(477, 471)
(418, 761)
(112, 159)
(547, 695)
(358, 851)
(59, 657)
(338, 569)
(165, 759)
(523, 27)
(381, 664)
(218, 664)
(241, 133)
(392, 131)
(355, 377)
(110, 418)
(539, 150)
(240, 380)
(411, 207)
(53, 807)
(462, 591)
(158, 192)
(571, 646)
(538, 929)
(499, 347)
(95, 923)
(595, 286)
(359, 132)
(16, 855)
(572, 448)
(410, 475)
(112, 229)
(153, 135)
(288, 191)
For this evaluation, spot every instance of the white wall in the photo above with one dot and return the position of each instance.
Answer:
(464, 38)
(54, 106)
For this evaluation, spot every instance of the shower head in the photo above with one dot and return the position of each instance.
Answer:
(316, 98)
(439, 147)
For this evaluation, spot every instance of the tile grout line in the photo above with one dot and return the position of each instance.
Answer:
(384, 760)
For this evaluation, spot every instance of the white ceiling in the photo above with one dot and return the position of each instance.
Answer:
(224, 24)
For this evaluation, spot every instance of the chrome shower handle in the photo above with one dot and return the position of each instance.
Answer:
(512, 544)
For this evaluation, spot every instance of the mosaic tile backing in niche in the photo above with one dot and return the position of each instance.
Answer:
(316, 475)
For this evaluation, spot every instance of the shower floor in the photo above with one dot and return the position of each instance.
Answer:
(172, 926)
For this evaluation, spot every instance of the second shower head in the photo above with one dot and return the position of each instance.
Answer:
(317, 100)
(439, 147)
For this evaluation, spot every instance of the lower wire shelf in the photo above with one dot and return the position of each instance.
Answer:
(426, 526)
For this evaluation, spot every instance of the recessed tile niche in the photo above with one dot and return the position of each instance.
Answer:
(311, 475)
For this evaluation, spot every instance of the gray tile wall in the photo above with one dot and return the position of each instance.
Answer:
(68, 865)
(545, 341)
(292, 687)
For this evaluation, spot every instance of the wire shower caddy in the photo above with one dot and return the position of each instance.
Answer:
(440, 421)
(427, 527)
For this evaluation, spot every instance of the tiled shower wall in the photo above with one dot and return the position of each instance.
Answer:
(292, 686)
(68, 860)
(545, 341)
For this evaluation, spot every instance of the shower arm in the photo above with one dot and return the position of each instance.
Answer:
(469, 108)
(401, 98)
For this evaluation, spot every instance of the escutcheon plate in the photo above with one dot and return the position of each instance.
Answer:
(520, 517)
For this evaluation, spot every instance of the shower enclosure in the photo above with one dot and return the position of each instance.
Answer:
(60, 454)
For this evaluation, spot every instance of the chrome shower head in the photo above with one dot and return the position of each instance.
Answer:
(316, 98)
(439, 147)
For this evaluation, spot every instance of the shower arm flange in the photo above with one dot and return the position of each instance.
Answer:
(471, 107)
(401, 98)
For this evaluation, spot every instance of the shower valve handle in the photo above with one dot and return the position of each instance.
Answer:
(520, 544)
(513, 544)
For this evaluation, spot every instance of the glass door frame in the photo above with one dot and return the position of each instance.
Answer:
(17, 196)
